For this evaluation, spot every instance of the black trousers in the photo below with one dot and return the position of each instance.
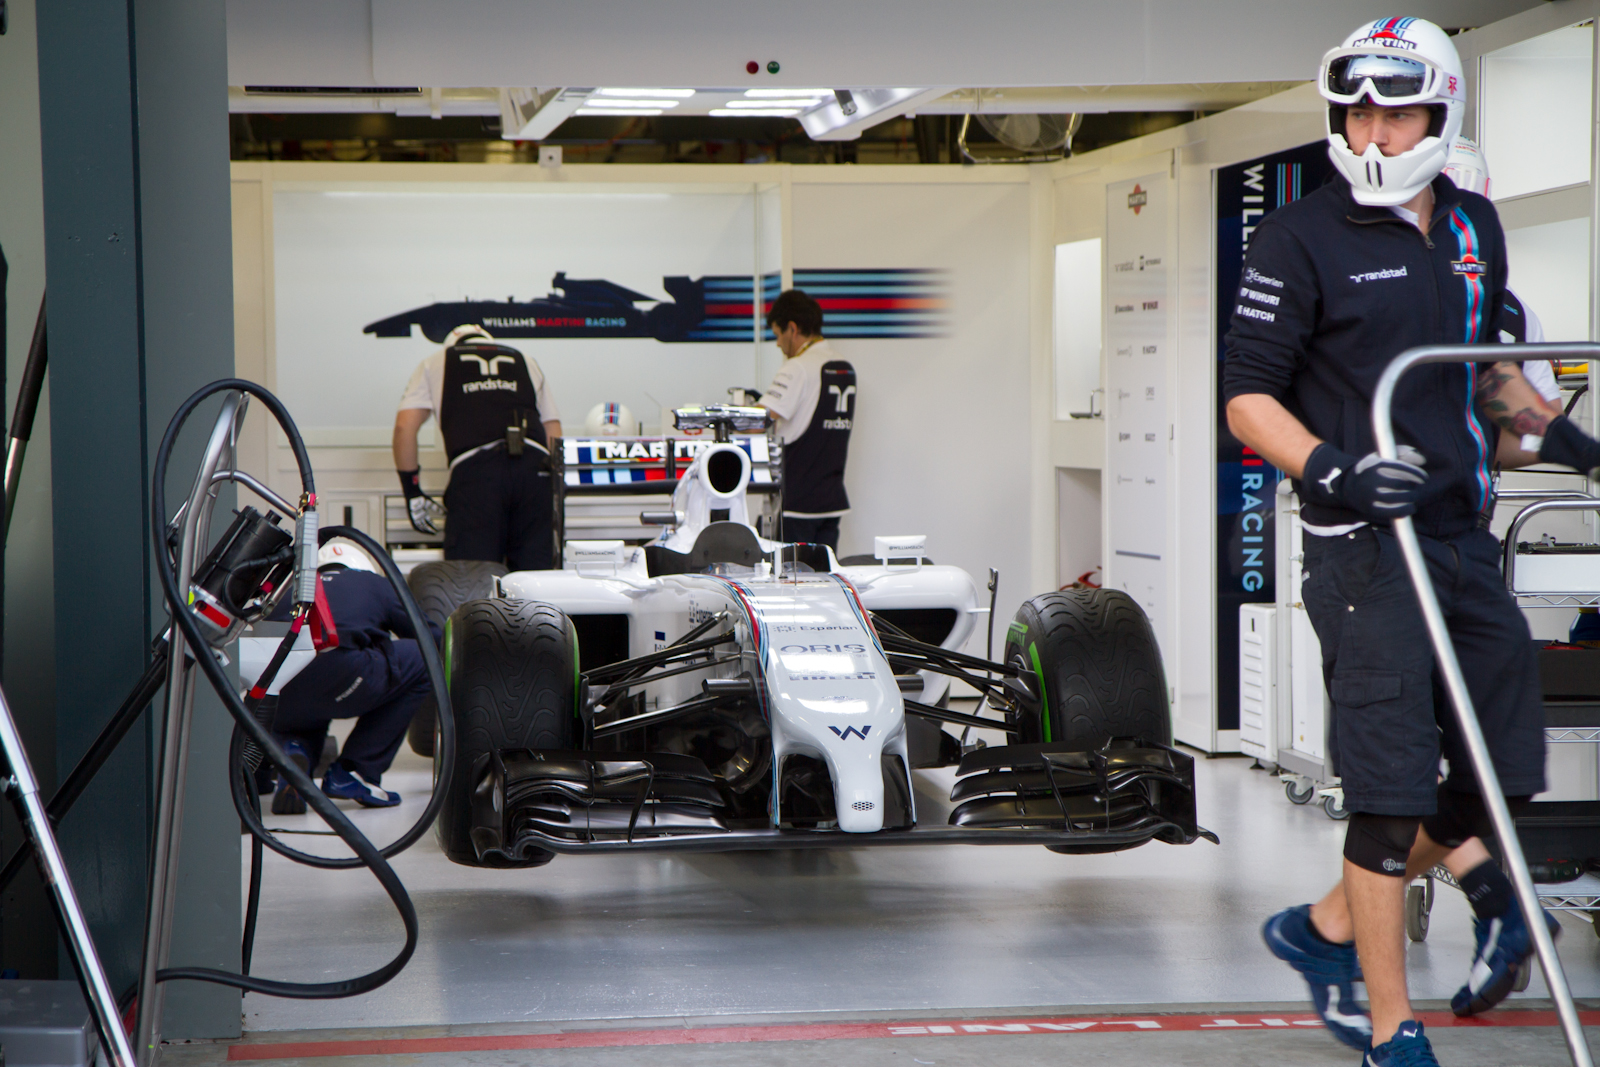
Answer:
(499, 509)
(380, 691)
(812, 531)
(1392, 718)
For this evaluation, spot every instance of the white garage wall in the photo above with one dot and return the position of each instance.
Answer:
(1550, 271)
(944, 442)
(941, 439)
(347, 257)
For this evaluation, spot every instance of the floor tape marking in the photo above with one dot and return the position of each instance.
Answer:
(720, 1035)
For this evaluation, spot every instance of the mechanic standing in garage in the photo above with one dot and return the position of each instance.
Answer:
(814, 400)
(371, 676)
(497, 418)
(1388, 256)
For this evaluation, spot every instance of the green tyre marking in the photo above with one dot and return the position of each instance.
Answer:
(577, 675)
(1017, 631)
(449, 645)
(1044, 697)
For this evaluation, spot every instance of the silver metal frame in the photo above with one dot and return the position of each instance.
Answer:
(215, 468)
(1445, 657)
(24, 788)
(1552, 597)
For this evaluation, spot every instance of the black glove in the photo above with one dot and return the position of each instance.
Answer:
(1569, 446)
(421, 506)
(1379, 489)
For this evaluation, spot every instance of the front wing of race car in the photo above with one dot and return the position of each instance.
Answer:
(1130, 792)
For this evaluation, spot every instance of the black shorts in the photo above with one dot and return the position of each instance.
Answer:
(499, 508)
(1391, 718)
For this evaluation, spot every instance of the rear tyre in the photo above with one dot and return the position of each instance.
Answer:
(1095, 656)
(513, 668)
(440, 587)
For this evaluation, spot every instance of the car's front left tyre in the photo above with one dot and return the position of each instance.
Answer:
(513, 674)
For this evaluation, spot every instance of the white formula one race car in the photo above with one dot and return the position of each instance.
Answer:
(714, 690)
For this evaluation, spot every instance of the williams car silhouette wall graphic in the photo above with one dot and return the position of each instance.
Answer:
(857, 303)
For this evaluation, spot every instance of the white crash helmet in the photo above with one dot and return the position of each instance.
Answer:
(1394, 62)
(1467, 167)
(462, 333)
(345, 554)
(610, 419)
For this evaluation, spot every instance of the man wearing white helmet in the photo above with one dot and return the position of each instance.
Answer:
(1518, 324)
(373, 673)
(1389, 256)
(498, 418)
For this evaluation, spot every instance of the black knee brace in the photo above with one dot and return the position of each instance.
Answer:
(1381, 843)
(1462, 816)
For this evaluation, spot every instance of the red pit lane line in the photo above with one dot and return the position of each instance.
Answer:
(723, 1035)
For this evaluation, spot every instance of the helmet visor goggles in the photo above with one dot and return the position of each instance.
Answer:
(1389, 80)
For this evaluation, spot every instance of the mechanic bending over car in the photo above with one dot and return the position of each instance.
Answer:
(497, 423)
(813, 398)
(371, 676)
(1388, 256)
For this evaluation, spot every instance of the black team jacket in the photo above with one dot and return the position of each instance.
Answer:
(1333, 290)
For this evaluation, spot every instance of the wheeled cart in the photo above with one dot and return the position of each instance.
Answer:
(1448, 666)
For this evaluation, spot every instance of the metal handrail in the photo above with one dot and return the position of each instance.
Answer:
(1588, 503)
(1444, 655)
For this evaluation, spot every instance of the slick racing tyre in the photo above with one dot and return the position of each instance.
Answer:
(513, 669)
(1095, 657)
(441, 587)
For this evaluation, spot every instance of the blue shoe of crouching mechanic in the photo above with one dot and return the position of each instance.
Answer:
(346, 784)
(1407, 1048)
(1505, 945)
(1330, 970)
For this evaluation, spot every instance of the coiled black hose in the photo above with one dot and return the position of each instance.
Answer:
(249, 729)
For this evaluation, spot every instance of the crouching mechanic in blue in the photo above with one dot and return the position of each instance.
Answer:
(1387, 256)
(371, 676)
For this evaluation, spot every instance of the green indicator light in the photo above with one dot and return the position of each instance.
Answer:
(772, 67)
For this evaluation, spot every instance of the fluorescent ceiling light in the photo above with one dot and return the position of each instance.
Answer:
(679, 94)
(789, 92)
(755, 112)
(615, 102)
(618, 111)
(745, 104)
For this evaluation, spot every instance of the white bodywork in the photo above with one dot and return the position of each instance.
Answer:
(828, 690)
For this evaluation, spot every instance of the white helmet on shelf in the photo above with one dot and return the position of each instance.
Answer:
(1394, 62)
(610, 419)
(1467, 167)
(345, 554)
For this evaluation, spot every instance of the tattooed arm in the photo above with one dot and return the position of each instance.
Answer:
(1517, 408)
(1514, 404)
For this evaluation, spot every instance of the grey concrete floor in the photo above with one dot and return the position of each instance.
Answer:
(975, 931)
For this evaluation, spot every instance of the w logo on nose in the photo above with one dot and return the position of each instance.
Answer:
(850, 731)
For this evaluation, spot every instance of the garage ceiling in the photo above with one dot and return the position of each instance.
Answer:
(483, 56)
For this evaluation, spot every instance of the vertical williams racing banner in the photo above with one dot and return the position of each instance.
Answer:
(1246, 484)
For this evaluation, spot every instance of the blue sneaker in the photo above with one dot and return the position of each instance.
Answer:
(1407, 1048)
(1505, 944)
(287, 800)
(1330, 970)
(346, 784)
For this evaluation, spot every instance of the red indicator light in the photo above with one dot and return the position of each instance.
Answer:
(752, 67)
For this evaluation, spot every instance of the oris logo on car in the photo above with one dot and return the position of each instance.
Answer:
(823, 648)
